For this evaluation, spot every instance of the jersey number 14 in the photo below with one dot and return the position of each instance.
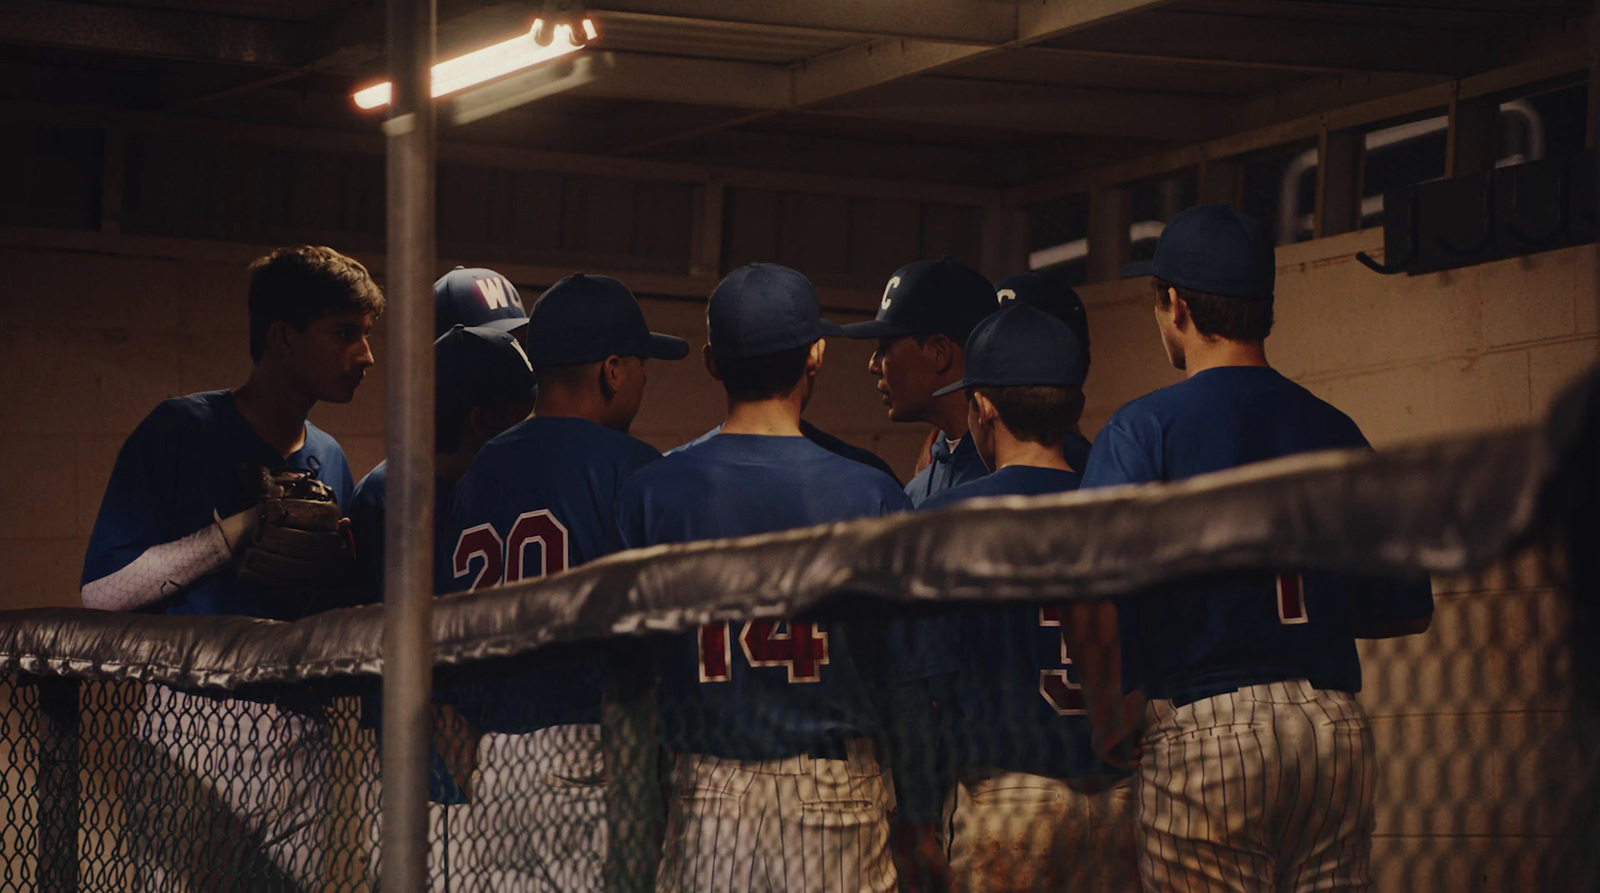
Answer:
(800, 647)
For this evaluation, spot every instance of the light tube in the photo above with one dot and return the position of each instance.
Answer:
(486, 64)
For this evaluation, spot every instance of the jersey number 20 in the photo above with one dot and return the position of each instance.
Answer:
(1057, 689)
(800, 647)
(504, 562)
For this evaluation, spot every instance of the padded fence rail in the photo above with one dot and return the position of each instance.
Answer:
(211, 753)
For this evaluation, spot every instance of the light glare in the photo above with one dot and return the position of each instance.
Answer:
(482, 65)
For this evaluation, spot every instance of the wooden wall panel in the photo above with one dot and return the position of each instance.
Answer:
(884, 236)
(956, 230)
(597, 215)
(750, 228)
(536, 211)
(814, 233)
(663, 220)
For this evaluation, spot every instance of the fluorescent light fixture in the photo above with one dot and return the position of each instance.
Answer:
(486, 64)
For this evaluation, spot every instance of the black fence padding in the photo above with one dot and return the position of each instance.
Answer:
(1449, 506)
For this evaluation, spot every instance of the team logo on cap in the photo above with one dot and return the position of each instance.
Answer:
(522, 353)
(1004, 295)
(495, 294)
(894, 282)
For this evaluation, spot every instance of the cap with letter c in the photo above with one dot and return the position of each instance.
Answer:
(1049, 294)
(584, 319)
(762, 309)
(476, 297)
(1020, 345)
(930, 297)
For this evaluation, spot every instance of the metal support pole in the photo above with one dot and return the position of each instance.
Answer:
(58, 784)
(408, 570)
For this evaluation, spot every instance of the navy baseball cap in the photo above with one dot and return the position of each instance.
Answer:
(476, 297)
(930, 297)
(1219, 250)
(764, 308)
(1050, 295)
(584, 319)
(481, 366)
(1019, 346)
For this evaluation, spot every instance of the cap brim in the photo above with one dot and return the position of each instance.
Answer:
(667, 347)
(952, 388)
(873, 328)
(831, 329)
(510, 324)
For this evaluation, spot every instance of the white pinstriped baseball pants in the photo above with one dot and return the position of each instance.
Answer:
(1268, 788)
(795, 825)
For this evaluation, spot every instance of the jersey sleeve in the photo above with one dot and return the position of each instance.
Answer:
(1127, 451)
(366, 510)
(1388, 600)
(136, 510)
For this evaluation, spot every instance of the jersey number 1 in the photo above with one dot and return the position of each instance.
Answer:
(503, 563)
(800, 647)
(1057, 689)
(1292, 599)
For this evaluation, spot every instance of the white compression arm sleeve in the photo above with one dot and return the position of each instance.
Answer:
(161, 571)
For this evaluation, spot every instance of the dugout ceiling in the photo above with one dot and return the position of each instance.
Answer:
(996, 93)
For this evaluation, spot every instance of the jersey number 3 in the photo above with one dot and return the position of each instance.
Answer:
(800, 647)
(1057, 689)
(505, 562)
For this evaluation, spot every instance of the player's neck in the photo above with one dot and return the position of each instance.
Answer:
(1010, 451)
(276, 410)
(1213, 353)
(564, 403)
(779, 417)
(949, 415)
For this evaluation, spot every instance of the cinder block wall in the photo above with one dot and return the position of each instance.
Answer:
(1480, 769)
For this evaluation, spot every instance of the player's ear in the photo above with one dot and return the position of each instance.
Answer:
(983, 409)
(942, 352)
(814, 360)
(710, 360)
(279, 335)
(1180, 309)
(610, 376)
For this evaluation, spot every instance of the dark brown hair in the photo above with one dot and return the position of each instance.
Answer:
(302, 283)
(1036, 413)
(1219, 316)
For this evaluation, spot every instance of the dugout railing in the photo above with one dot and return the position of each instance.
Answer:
(199, 753)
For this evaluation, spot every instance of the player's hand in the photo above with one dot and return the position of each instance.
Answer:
(919, 859)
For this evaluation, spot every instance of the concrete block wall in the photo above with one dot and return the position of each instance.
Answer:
(1481, 771)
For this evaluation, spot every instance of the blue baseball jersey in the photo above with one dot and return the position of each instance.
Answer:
(764, 689)
(1017, 704)
(178, 472)
(949, 468)
(1208, 636)
(1075, 449)
(538, 499)
(368, 509)
(822, 439)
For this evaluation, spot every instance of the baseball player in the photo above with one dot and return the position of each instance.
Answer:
(822, 439)
(1033, 807)
(1055, 297)
(537, 500)
(776, 782)
(461, 297)
(1058, 299)
(928, 309)
(174, 522)
(485, 384)
(1257, 769)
